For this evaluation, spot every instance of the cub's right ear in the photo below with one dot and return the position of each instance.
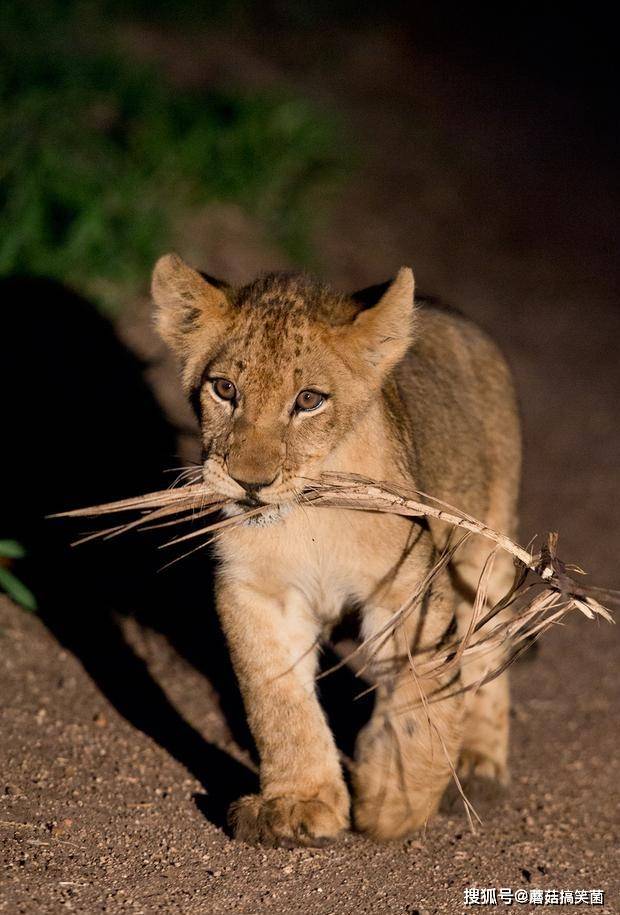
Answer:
(191, 311)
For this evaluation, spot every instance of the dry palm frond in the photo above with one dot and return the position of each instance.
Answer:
(543, 593)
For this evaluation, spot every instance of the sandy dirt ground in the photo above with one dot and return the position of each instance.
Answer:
(111, 805)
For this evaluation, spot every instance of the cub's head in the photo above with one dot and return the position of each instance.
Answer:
(279, 371)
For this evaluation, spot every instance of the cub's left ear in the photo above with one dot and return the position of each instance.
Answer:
(382, 332)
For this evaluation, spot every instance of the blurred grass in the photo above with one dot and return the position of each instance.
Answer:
(10, 584)
(296, 14)
(102, 160)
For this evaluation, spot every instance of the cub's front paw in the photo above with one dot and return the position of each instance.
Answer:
(288, 821)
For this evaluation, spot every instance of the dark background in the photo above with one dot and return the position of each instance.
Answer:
(480, 148)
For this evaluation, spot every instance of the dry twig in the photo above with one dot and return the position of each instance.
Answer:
(542, 595)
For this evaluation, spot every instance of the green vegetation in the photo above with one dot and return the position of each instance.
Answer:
(103, 161)
(9, 583)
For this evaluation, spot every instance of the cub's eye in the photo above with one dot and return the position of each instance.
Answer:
(309, 400)
(224, 389)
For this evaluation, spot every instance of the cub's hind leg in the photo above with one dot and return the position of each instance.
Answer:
(405, 754)
(486, 730)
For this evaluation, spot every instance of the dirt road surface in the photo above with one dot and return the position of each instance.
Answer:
(120, 746)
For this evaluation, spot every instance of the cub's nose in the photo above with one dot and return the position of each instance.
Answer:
(252, 486)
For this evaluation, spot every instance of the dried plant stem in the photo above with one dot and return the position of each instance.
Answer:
(543, 591)
(540, 603)
(359, 493)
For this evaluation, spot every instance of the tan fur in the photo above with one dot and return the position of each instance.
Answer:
(417, 395)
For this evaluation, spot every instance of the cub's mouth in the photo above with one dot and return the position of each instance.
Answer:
(271, 513)
(250, 502)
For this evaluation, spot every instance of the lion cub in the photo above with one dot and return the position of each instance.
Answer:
(291, 379)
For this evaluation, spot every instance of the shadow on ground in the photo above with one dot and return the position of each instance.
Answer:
(84, 428)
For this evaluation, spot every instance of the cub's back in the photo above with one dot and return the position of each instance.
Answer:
(458, 393)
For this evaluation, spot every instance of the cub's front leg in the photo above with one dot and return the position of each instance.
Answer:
(273, 645)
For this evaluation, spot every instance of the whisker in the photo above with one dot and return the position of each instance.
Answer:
(234, 521)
